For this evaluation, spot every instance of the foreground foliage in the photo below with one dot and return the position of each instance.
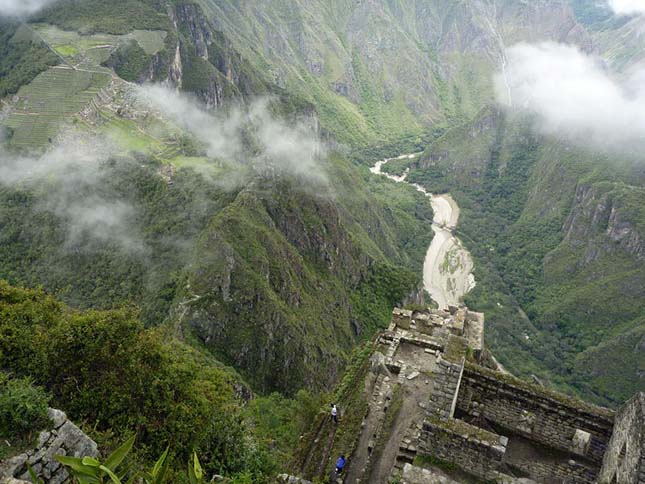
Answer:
(106, 370)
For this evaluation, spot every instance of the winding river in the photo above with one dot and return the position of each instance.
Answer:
(447, 268)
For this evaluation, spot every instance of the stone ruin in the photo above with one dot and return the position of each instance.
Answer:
(63, 438)
(457, 416)
(496, 427)
(440, 410)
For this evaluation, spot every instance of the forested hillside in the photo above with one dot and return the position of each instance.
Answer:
(557, 235)
(228, 248)
(184, 188)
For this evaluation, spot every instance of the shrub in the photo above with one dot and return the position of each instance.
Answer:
(23, 407)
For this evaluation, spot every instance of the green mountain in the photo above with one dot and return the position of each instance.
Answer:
(110, 199)
(276, 277)
(556, 233)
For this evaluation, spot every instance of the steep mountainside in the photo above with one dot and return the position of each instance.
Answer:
(275, 273)
(380, 71)
(558, 237)
(374, 76)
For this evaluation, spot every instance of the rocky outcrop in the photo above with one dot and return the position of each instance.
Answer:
(599, 223)
(205, 61)
(64, 438)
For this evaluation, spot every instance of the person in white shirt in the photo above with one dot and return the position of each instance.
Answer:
(334, 413)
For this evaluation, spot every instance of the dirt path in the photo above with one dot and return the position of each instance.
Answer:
(325, 458)
(414, 393)
(447, 268)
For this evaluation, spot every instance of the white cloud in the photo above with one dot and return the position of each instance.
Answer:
(573, 95)
(627, 7)
(253, 136)
(69, 177)
(21, 8)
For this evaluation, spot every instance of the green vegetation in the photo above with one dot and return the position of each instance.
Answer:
(349, 395)
(278, 422)
(116, 17)
(88, 470)
(23, 411)
(106, 370)
(129, 61)
(431, 461)
(50, 100)
(22, 58)
(545, 298)
(151, 41)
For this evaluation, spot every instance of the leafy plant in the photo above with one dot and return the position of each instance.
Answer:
(157, 474)
(195, 471)
(32, 475)
(88, 470)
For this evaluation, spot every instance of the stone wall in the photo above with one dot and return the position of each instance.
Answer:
(543, 416)
(569, 472)
(287, 479)
(446, 378)
(624, 460)
(64, 438)
(474, 450)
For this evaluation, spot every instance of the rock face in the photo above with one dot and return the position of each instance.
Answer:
(64, 438)
(624, 460)
(598, 221)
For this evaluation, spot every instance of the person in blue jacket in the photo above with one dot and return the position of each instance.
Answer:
(340, 464)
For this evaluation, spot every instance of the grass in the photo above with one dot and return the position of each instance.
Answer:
(126, 134)
(49, 102)
(151, 41)
(94, 49)
(66, 50)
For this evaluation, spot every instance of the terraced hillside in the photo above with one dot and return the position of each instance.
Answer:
(50, 101)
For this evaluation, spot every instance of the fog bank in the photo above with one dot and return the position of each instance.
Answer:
(573, 95)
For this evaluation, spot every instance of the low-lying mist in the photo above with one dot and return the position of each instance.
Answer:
(67, 181)
(22, 8)
(573, 95)
(74, 179)
(627, 7)
(248, 136)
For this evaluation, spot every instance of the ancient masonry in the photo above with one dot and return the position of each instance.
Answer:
(464, 417)
(64, 438)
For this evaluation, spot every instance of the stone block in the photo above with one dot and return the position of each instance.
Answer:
(580, 442)
(43, 437)
(11, 467)
(57, 417)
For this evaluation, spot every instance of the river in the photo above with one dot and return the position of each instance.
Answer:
(447, 268)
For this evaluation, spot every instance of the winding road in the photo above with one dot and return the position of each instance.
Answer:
(447, 268)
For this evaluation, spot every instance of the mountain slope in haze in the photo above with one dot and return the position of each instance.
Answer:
(276, 274)
(365, 75)
(381, 71)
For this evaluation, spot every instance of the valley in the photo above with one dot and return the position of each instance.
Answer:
(198, 245)
(447, 267)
